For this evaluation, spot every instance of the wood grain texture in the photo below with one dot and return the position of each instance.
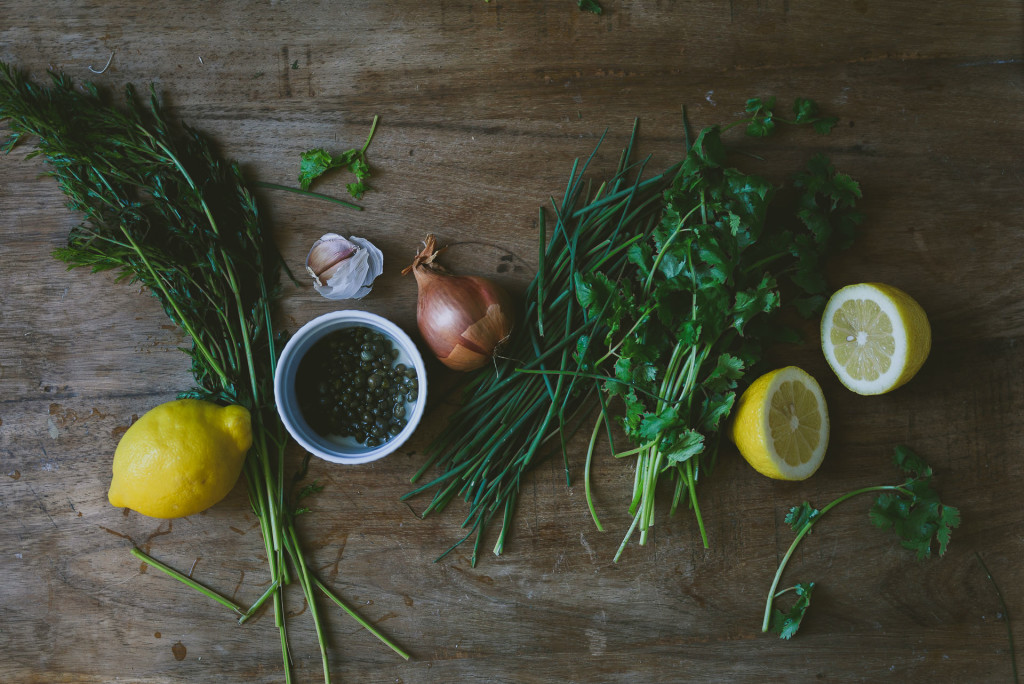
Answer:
(483, 107)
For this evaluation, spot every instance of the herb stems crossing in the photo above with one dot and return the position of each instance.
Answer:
(161, 208)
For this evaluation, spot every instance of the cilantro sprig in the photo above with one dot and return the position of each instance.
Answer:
(805, 111)
(911, 509)
(681, 327)
(316, 162)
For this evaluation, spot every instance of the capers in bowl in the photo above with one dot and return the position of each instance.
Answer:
(351, 385)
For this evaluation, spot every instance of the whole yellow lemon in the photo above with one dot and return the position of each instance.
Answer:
(180, 458)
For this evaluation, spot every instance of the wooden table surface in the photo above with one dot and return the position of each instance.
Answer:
(483, 107)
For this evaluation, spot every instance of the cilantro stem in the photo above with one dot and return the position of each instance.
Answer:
(373, 128)
(625, 539)
(586, 471)
(637, 450)
(664, 247)
(594, 376)
(613, 351)
(691, 486)
(307, 193)
(807, 528)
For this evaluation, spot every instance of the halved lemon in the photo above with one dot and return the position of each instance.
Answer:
(780, 424)
(875, 337)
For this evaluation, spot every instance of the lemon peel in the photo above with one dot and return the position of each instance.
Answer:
(180, 458)
(781, 425)
(875, 337)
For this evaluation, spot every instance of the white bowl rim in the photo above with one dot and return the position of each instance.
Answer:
(287, 365)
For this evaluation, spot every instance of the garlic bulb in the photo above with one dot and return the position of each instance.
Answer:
(344, 269)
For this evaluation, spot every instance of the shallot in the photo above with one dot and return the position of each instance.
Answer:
(463, 319)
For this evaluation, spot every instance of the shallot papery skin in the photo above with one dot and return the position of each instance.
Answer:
(463, 319)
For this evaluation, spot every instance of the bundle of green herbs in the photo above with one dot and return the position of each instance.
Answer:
(652, 300)
(702, 300)
(161, 207)
(535, 392)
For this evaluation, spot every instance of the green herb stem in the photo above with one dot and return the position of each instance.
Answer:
(1006, 615)
(362, 622)
(586, 471)
(803, 532)
(184, 579)
(307, 193)
(153, 204)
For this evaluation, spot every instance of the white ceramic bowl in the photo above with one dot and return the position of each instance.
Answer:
(333, 448)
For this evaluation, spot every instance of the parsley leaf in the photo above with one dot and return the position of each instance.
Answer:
(316, 162)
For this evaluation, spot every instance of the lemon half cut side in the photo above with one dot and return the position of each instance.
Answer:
(781, 424)
(875, 337)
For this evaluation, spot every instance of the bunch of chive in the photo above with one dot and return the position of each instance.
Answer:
(515, 409)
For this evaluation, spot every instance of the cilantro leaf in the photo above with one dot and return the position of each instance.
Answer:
(806, 112)
(911, 509)
(316, 162)
(762, 122)
(802, 516)
(909, 462)
(786, 624)
(655, 423)
(715, 409)
(724, 376)
(589, 6)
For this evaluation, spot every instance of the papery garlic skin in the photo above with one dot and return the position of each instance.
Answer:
(344, 268)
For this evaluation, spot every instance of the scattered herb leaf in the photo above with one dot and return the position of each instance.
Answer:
(316, 162)
(786, 624)
(912, 509)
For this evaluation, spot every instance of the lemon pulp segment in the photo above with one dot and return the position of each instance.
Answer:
(863, 338)
(794, 423)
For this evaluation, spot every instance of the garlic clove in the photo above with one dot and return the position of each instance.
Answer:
(327, 255)
(344, 268)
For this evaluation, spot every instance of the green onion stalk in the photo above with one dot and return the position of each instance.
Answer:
(161, 208)
(526, 406)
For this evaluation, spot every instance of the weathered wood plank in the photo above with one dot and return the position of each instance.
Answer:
(483, 107)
